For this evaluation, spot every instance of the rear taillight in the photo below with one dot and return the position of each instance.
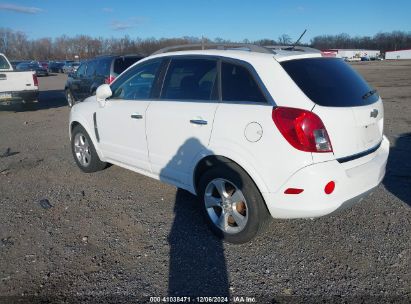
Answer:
(302, 129)
(35, 80)
(109, 79)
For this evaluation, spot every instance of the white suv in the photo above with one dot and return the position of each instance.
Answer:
(255, 133)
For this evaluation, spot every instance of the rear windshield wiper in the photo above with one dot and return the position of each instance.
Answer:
(368, 94)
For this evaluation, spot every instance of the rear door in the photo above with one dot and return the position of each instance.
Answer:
(179, 124)
(350, 109)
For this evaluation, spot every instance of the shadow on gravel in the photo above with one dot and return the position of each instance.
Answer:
(47, 100)
(197, 261)
(398, 177)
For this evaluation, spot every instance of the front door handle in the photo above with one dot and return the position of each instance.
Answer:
(198, 122)
(136, 116)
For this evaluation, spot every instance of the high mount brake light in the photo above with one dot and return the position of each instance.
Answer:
(303, 129)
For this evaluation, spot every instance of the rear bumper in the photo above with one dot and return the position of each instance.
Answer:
(26, 96)
(353, 181)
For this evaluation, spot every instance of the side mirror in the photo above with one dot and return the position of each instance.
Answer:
(102, 93)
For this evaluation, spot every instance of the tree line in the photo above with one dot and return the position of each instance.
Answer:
(18, 46)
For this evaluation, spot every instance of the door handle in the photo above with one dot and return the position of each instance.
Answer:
(136, 116)
(198, 122)
(3, 77)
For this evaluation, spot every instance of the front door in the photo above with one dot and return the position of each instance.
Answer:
(121, 122)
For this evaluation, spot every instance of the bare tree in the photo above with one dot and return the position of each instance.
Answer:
(16, 45)
(284, 39)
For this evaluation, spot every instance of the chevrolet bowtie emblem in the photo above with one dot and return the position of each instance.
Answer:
(374, 113)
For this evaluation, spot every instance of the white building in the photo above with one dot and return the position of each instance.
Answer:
(354, 53)
(401, 54)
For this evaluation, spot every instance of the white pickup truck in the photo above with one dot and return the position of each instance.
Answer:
(16, 85)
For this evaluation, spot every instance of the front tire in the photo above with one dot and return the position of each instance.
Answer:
(84, 152)
(70, 99)
(232, 205)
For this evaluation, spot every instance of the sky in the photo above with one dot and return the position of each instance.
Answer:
(227, 19)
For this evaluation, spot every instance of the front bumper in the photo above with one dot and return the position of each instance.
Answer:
(353, 181)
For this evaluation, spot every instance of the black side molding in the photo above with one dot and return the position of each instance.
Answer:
(358, 155)
(95, 126)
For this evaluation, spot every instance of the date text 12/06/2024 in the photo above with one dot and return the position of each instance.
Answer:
(236, 299)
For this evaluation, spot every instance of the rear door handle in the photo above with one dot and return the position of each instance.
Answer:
(3, 77)
(198, 122)
(136, 116)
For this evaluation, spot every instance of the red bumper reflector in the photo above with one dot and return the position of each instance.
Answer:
(329, 188)
(293, 191)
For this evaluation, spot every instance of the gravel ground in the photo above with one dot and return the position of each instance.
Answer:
(116, 236)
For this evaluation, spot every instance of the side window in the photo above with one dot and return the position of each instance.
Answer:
(103, 67)
(137, 83)
(91, 68)
(238, 84)
(122, 63)
(81, 70)
(190, 79)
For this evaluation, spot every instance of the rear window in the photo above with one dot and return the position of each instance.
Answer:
(330, 82)
(3, 63)
(122, 63)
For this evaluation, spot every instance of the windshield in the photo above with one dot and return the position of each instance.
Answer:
(330, 82)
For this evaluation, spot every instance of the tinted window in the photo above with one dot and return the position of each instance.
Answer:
(3, 63)
(81, 70)
(136, 83)
(91, 68)
(103, 67)
(122, 63)
(190, 79)
(330, 82)
(238, 84)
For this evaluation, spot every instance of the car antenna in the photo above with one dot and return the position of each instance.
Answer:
(298, 40)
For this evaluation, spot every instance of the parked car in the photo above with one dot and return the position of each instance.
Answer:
(254, 133)
(32, 66)
(45, 64)
(14, 63)
(56, 67)
(94, 72)
(70, 67)
(21, 86)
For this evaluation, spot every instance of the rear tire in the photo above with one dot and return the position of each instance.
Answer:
(232, 205)
(84, 152)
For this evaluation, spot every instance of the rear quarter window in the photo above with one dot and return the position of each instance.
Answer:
(330, 82)
(3, 63)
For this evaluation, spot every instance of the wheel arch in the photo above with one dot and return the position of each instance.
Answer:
(209, 161)
(90, 133)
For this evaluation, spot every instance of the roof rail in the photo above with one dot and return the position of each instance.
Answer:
(296, 48)
(217, 46)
